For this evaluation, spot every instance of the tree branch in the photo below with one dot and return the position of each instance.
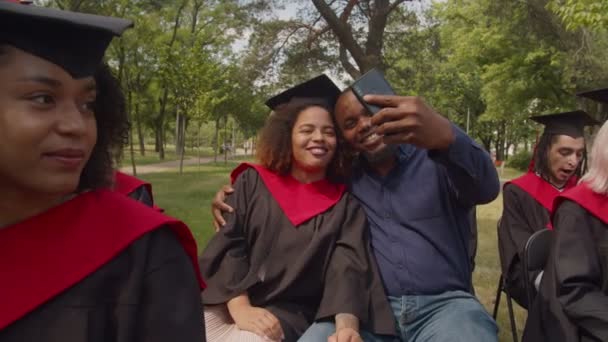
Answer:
(351, 69)
(348, 10)
(342, 30)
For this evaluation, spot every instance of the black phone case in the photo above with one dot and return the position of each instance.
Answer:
(371, 83)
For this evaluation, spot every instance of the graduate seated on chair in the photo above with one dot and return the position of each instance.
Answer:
(297, 247)
(78, 261)
(528, 200)
(572, 303)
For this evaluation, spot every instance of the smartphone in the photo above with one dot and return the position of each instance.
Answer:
(371, 83)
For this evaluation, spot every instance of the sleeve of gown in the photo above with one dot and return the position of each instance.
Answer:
(171, 307)
(349, 276)
(514, 232)
(578, 272)
(225, 260)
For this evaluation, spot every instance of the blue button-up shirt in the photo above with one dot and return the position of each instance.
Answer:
(418, 214)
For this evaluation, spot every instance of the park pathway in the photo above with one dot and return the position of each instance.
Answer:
(172, 165)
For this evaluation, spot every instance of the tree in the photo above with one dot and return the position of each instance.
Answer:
(577, 14)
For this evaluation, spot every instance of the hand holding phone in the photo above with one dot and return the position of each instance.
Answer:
(371, 83)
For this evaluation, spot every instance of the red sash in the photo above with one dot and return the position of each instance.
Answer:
(300, 202)
(126, 184)
(541, 190)
(593, 202)
(47, 254)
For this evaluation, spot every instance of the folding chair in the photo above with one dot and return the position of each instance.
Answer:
(536, 254)
(501, 288)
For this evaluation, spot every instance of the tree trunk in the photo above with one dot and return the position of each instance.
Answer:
(182, 140)
(217, 139)
(225, 138)
(156, 139)
(500, 141)
(160, 124)
(165, 87)
(178, 131)
(198, 144)
(366, 57)
(131, 149)
(140, 134)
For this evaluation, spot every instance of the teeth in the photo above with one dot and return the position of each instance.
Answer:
(370, 137)
(317, 150)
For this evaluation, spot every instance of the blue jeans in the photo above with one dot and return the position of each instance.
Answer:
(451, 316)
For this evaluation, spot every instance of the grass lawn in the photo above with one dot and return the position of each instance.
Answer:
(508, 173)
(189, 196)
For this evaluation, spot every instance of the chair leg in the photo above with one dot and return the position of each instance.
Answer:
(497, 301)
(512, 318)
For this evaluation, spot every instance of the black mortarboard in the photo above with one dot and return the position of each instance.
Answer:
(568, 123)
(318, 87)
(599, 95)
(74, 41)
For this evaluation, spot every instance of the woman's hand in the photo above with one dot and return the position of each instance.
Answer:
(256, 320)
(345, 335)
(347, 329)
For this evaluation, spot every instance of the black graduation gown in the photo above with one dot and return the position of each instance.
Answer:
(572, 304)
(313, 271)
(147, 293)
(522, 216)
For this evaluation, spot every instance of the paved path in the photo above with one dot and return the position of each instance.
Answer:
(174, 165)
(169, 165)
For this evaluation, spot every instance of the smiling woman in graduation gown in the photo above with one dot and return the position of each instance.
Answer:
(299, 250)
(528, 200)
(79, 262)
(572, 304)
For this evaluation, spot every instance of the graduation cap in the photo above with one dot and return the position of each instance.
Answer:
(74, 41)
(567, 123)
(319, 87)
(599, 95)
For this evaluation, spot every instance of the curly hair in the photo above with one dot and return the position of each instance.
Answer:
(274, 150)
(112, 131)
(541, 158)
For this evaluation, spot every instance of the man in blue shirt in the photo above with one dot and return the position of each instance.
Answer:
(417, 177)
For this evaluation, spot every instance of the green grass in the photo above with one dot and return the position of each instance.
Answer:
(509, 173)
(189, 196)
(487, 269)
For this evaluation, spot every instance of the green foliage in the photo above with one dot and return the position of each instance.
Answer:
(520, 160)
(576, 14)
(486, 65)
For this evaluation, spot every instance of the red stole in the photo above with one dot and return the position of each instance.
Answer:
(47, 254)
(593, 202)
(126, 184)
(541, 190)
(300, 202)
